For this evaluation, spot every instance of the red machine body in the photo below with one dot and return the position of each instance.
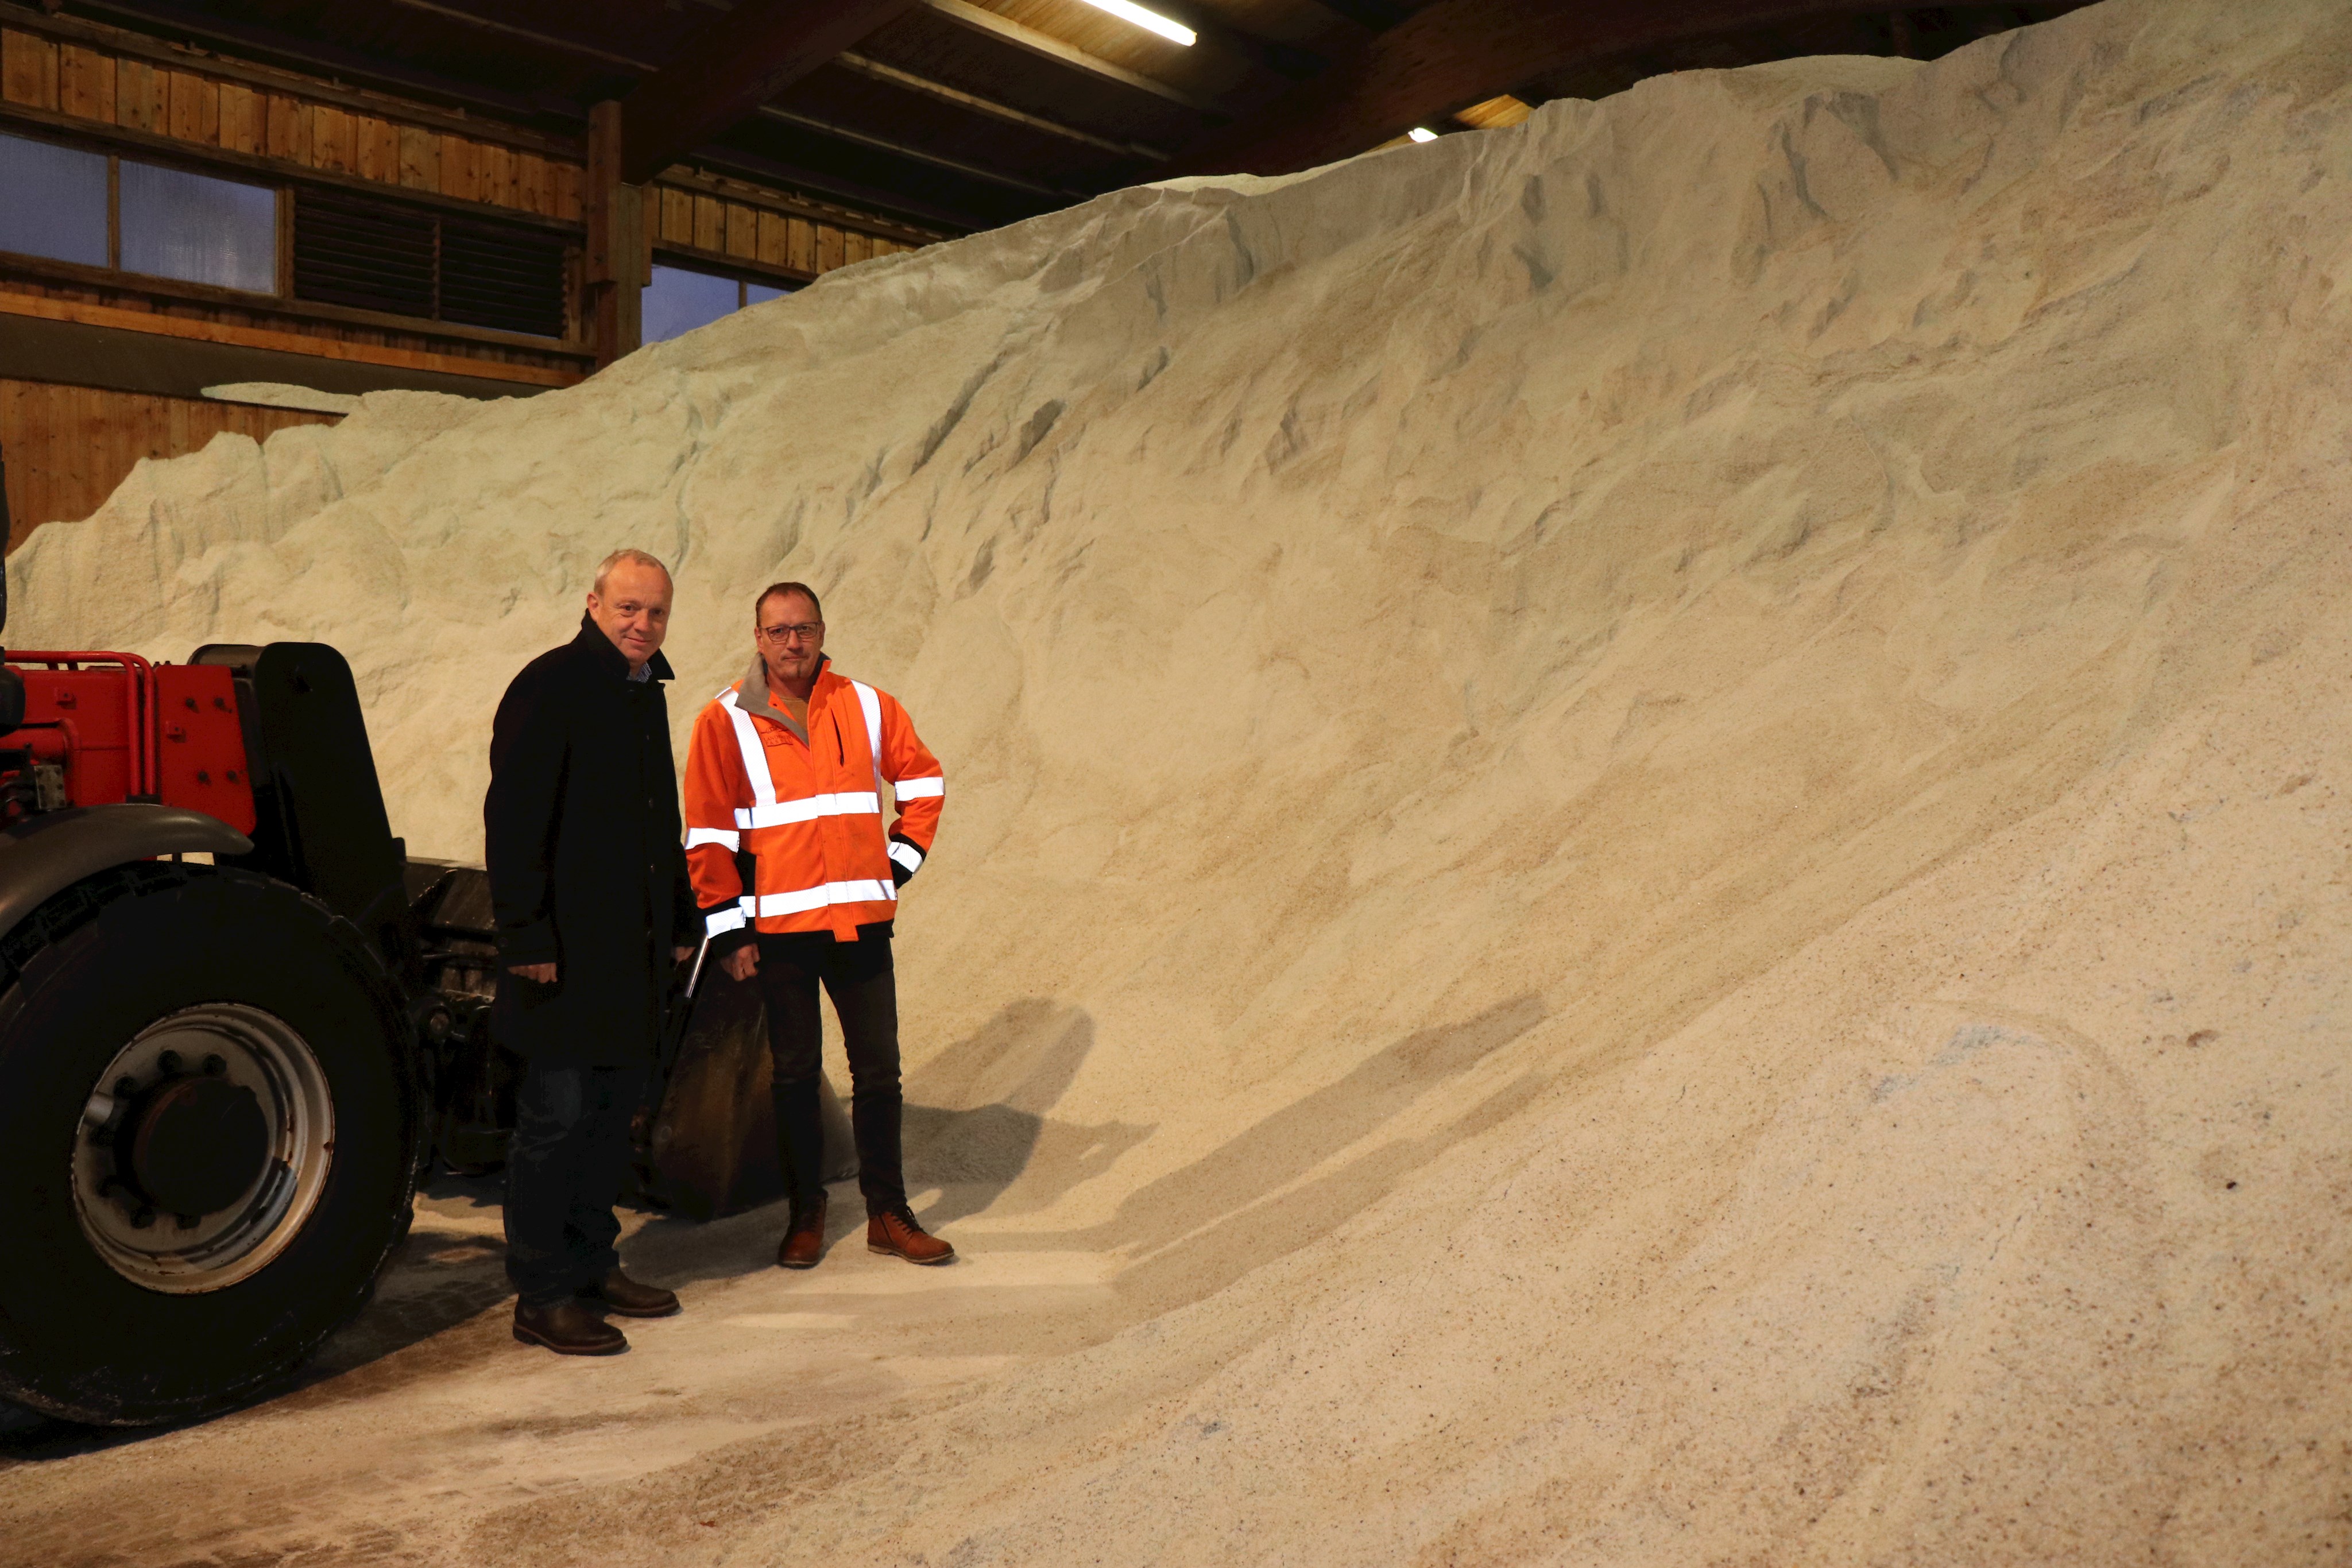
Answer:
(101, 727)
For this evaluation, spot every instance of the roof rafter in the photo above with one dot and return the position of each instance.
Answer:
(1046, 46)
(732, 66)
(852, 60)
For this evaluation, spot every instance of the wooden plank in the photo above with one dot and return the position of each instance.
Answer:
(800, 245)
(136, 91)
(193, 105)
(378, 146)
(420, 159)
(749, 267)
(28, 68)
(457, 168)
(677, 216)
(743, 230)
(710, 223)
(535, 183)
(333, 140)
(290, 127)
(737, 62)
(243, 127)
(290, 342)
(828, 247)
(71, 447)
(567, 191)
(774, 200)
(771, 245)
(97, 284)
(855, 247)
(494, 174)
(86, 82)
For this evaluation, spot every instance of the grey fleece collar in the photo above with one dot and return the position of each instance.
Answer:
(754, 699)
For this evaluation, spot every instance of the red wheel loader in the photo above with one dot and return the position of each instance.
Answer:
(236, 1024)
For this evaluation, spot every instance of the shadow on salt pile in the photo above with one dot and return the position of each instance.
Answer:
(976, 1122)
(1249, 1201)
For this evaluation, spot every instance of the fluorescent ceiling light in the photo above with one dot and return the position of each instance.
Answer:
(1422, 133)
(1151, 21)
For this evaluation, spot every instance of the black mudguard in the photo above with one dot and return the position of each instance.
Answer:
(41, 858)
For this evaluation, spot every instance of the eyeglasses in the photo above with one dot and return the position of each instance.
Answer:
(800, 632)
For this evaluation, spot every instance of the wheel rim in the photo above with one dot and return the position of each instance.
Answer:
(218, 1043)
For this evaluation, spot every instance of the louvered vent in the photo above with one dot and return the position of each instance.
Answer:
(382, 255)
(368, 254)
(508, 278)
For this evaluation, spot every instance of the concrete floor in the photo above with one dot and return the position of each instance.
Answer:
(424, 1418)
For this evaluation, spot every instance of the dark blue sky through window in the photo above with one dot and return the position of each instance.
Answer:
(52, 201)
(199, 229)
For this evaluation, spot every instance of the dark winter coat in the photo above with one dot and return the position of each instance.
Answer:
(586, 862)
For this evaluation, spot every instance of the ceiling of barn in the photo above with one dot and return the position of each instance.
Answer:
(970, 113)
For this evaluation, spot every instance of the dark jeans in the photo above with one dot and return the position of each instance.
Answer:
(859, 977)
(564, 1167)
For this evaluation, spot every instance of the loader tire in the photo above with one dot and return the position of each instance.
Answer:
(207, 1141)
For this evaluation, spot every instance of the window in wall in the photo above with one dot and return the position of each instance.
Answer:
(198, 229)
(105, 211)
(382, 255)
(52, 201)
(679, 299)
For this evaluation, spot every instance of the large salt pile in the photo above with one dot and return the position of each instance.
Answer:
(1647, 815)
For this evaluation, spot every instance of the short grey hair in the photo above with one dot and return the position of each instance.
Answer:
(634, 557)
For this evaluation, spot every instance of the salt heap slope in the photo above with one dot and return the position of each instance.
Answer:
(1648, 814)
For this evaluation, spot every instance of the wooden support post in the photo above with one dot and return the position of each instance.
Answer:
(619, 260)
(1899, 28)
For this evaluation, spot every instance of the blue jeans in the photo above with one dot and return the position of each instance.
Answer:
(564, 1168)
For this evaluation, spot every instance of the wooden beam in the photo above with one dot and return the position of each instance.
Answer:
(618, 264)
(217, 47)
(287, 342)
(732, 66)
(920, 154)
(850, 60)
(400, 111)
(771, 200)
(1046, 46)
(172, 292)
(1458, 52)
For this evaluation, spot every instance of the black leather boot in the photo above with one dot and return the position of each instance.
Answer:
(568, 1328)
(625, 1296)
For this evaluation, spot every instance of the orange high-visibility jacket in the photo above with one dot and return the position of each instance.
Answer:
(809, 812)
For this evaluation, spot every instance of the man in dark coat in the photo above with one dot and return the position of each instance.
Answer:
(589, 887)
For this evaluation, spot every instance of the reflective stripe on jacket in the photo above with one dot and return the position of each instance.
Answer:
(807, 811)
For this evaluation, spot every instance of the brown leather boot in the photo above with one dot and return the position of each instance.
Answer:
(568, 1328)
(893, 1234)
(625, 1296)
(803, 1241)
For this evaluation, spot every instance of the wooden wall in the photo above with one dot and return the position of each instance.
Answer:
(90, 82)
(738, 228)
(91, 73)
(66, 448)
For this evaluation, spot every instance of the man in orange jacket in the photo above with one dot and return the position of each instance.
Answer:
(783, 784)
